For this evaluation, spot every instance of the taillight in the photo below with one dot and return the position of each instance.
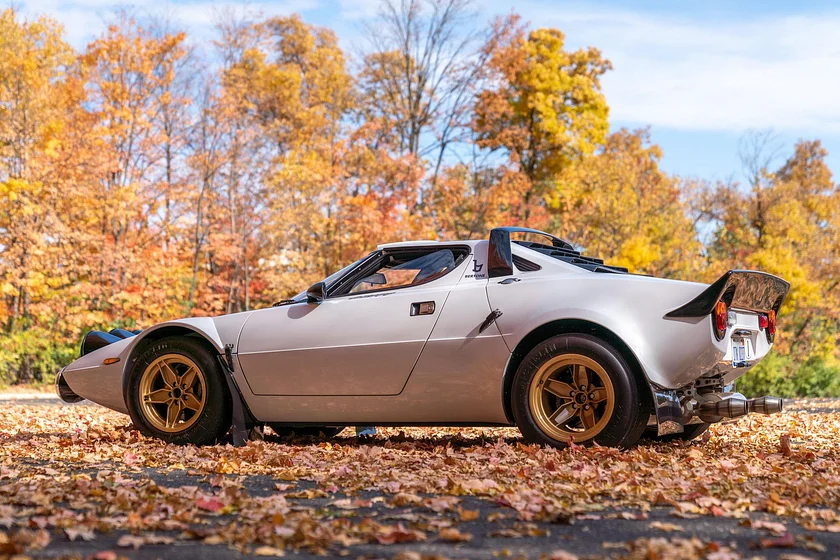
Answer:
(767, 323)
(771, 326)
(719, 319)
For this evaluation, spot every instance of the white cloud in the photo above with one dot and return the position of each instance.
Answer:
(83, 20)
(358, 9)
(781, 72)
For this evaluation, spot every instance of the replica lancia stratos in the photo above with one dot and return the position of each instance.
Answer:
(497, 332)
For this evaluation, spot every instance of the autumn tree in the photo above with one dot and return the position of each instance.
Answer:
(544, 108)
(288, 79)
(130, 70)
(619, 205)
(418, 80)
(38, 93)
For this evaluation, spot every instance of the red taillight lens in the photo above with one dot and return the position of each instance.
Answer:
(767, 323)
(720, 319)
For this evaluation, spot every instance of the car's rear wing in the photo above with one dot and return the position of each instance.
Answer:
(748, 290)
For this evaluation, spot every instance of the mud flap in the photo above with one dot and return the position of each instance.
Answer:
(669, 413)
(242, 421)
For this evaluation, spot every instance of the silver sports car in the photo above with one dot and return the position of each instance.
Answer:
(498, 332)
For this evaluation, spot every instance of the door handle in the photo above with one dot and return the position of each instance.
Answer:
(495, 314)
(422, 308)
(507, 281)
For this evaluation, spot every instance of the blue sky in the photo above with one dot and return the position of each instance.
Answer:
(699, 73)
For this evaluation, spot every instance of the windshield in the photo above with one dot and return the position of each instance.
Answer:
(330, 280)
(400, 272)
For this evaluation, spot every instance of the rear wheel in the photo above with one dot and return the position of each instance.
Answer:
(577, 388)
(309, 431)
(176, 393)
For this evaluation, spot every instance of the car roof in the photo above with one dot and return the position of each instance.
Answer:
(471, 243)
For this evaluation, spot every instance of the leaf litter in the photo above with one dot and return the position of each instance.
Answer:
(77, 472)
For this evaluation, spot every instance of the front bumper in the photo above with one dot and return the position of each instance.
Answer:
(63, 390)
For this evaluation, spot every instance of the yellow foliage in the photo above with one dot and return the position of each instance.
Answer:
(140, 182)
(618, 205)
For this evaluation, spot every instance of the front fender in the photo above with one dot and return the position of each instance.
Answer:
(91, 378)
(204, 326)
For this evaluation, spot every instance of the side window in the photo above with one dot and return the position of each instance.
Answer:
(397, 270)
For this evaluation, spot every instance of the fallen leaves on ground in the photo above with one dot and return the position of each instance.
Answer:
(79, 471)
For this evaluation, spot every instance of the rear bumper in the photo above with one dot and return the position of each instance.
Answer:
(63, 390)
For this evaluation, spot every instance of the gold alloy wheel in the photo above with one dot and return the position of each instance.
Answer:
(173, 392)
(571, 398)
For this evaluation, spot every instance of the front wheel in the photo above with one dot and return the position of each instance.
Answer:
(176, 393)
(577, 388)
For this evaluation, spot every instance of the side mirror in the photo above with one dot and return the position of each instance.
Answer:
(316, 293)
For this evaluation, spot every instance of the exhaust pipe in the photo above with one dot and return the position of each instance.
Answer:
(735, 407)
(766, 405)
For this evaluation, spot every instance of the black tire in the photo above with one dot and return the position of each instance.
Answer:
(632, 403)
(309, 431)
(690, 432)
(214, 419)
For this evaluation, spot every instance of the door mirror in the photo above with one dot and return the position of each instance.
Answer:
(316, 293)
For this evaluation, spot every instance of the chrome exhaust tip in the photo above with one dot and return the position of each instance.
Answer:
(766, 405)
(735, 407)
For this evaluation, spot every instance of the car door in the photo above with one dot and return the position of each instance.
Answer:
(357, 343)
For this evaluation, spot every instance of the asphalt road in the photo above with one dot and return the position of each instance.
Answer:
(603, 537)
(496, 531)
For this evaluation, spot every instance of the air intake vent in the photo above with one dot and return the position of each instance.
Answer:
(573, 257)
(524, 265)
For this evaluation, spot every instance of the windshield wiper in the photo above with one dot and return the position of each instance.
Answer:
(284, 302)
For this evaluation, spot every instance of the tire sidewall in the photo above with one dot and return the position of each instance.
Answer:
(214, 419)
(631, 410)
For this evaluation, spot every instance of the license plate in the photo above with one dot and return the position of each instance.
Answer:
(739, 351)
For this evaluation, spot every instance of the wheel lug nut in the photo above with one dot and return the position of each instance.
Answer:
(591, 395)
(583, 387)
(586, 407)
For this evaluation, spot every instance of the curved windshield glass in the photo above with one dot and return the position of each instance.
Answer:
(330, 280)
(396, 273)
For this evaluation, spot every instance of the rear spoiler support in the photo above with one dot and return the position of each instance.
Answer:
(749, 290)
